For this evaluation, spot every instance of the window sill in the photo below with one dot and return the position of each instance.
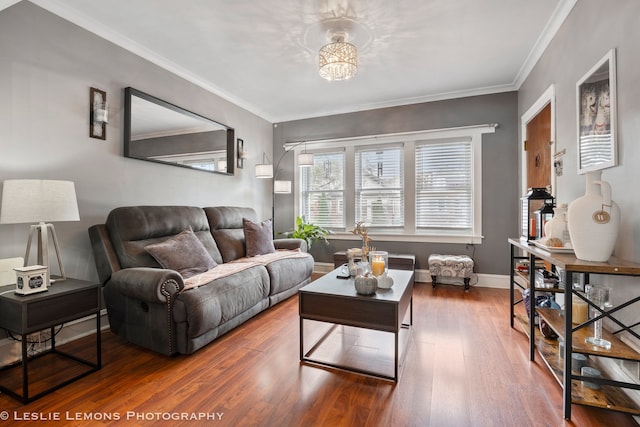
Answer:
(422, 238)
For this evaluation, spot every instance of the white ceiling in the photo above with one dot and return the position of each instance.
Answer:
(263, 54)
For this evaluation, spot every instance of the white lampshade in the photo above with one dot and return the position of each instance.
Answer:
(282, 187)
(305, 160)
(264, 171)
(37, 200)
(42, 202)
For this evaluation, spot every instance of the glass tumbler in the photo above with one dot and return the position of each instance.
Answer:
(599, 296)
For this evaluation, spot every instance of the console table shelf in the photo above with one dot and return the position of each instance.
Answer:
(522, 280)
(608, 397)
(619, 350)
(611, 394)
(547, 348)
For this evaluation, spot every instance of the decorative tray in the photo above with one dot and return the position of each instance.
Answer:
(565, 249)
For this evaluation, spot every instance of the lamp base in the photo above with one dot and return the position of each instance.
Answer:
(41, 231)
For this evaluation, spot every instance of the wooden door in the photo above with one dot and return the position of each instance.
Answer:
(538, 149)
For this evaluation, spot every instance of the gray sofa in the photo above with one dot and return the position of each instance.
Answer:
(156, 307)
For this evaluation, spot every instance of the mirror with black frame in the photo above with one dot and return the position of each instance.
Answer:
(158, 131)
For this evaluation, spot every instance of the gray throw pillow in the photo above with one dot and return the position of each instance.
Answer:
(258, 237)
(183, 253)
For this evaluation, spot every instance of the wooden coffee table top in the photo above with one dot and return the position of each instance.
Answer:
(330, 284)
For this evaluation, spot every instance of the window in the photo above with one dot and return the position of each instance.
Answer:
(322, 190)
(416, 186)
(444, 187)
(379, 186)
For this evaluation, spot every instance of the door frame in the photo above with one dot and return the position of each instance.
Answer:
(547, 97)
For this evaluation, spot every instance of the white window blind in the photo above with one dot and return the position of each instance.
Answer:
(444, 186)
(379, 186)
(322, 190)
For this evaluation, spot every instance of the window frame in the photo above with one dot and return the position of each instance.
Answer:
(298, 191)
(409, 140)
(380, 147)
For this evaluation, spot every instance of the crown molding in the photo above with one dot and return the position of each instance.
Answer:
(559, 15)
(489, 90)
(107, 33)
(7, 3)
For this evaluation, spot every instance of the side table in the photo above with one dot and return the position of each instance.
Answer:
(396, 261)
(63, 302)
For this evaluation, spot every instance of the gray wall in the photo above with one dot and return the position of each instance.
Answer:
(47, 66)
(499, 170)
(590, 31)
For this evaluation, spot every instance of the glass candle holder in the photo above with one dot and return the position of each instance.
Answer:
(379, 262)
(600, 297)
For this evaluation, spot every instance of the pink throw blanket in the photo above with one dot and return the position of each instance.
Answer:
(235, 266)
(274, 256)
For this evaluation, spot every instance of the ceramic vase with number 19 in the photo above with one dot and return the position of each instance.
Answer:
(593, 221)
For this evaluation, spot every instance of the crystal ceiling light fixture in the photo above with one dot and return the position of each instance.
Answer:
(338, 59)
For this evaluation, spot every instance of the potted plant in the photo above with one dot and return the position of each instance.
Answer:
(308, 232)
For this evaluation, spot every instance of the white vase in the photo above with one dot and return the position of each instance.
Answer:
(593, 221)
(557, 226)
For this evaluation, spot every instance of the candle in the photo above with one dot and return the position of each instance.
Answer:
(377, 266)
(579, 310)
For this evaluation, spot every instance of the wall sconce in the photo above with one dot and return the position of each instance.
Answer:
(98, 113)
(241, 153)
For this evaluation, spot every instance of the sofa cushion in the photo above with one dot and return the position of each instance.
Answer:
(183, 253)
(258, 237)
(221, 300)
(225, 223)
(287, 273)
(231, 243)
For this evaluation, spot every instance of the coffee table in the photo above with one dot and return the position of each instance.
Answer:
(332, 300)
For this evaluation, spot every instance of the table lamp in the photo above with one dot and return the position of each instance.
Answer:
(42, 202)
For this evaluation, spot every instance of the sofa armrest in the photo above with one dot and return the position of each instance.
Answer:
(152, 285)
(291, 244)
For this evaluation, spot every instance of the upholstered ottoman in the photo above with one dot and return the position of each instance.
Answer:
(451, 266)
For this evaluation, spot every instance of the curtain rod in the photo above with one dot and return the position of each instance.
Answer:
(292, 144)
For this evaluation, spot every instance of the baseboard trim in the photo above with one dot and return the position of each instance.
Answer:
(480, 280)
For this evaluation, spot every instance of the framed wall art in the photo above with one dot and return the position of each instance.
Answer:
(596, 92)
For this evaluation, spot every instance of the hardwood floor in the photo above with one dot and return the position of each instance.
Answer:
(464, 367)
